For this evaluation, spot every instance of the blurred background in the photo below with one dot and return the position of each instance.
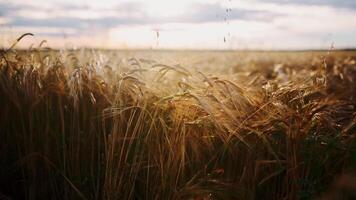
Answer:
(181, 24)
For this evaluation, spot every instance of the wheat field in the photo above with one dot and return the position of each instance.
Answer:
(199, 125)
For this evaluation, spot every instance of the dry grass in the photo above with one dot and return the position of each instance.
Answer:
(76, 127)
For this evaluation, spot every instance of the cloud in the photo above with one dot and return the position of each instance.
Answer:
(7, 9)
(216, 12)
(349, 4)
(195, 22)
(70, 16)
(77, 23)
(127, 13)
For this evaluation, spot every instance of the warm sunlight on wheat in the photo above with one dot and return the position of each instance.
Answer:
(103, 125)
(177, 100)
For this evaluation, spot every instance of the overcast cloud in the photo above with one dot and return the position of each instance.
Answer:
(348, 4)
(282, 23)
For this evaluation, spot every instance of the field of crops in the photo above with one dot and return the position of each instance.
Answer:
(199, 125)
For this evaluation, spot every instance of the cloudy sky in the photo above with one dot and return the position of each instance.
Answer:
(188, 24)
